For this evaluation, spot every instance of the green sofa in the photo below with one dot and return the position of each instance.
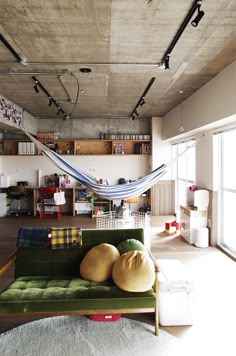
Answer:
(47, 282)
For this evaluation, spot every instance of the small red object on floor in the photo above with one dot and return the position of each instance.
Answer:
(105, 317)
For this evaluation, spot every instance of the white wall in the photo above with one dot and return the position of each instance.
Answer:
(211, 104)
(211, 107)
(24, 168)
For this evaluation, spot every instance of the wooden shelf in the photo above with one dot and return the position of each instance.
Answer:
(78, 147)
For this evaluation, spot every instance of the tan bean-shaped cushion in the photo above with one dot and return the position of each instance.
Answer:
(97, 264)
(134, 272)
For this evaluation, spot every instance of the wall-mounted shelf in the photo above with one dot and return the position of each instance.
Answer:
(78, 147)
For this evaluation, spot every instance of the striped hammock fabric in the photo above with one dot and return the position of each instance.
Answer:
(110, 192)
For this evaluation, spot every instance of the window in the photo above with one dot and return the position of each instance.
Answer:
(226, 142)
(183, 171)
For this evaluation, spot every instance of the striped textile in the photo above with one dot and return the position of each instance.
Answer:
(65, 237)
(33, 237)
(110, 192)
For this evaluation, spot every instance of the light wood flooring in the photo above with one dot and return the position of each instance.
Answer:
(213, 274)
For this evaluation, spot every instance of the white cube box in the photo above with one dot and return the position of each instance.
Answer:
(176, 296)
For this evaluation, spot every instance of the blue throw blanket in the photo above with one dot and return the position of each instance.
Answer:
(33, 237)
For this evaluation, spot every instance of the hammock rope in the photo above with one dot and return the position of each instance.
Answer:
(109, 192)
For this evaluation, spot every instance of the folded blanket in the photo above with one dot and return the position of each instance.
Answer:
(65, 237)
(33, 237)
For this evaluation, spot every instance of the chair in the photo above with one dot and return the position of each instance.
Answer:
(48, 208)
(16, 194)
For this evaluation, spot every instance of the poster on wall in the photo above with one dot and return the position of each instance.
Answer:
(10, 113)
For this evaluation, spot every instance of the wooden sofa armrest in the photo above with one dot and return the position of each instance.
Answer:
(6, 265)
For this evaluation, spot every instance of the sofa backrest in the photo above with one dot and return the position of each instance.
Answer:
(66, 262)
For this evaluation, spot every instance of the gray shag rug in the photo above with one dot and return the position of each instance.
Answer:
(78, 335)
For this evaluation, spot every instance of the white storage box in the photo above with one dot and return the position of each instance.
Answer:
(201, 236)
(4, 181)
(175, 294)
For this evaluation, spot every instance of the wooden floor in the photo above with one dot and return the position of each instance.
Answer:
(212, 272)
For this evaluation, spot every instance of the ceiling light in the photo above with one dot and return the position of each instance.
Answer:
(36, 87)
(199, 16)
(58, 110)
(142, 102)
(136, 113)
(85, 70)
(49, 101)
(167, 64)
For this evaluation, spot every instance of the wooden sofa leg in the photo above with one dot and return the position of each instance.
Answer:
(156, 323)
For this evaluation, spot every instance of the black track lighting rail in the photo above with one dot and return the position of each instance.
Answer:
(51, 100)
(12, 50)
(141, 100)
(195, 6)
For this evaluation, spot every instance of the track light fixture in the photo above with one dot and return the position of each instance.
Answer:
(50, 98)
(36, 87)
(164, 64)
(19, 59)
(167, 62)
(141, 100)
(199, 16)
(49, 101)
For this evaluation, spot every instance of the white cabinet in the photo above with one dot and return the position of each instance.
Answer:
(189, 220)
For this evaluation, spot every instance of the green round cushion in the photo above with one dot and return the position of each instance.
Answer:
(134, 271)
(98, 263)
(130, 245)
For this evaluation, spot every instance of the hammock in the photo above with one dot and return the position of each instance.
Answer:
(110, 192)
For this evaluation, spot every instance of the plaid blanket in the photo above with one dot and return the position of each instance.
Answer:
(65, 237)
(33, 237)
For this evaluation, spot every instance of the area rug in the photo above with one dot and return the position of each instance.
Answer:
(78, 335)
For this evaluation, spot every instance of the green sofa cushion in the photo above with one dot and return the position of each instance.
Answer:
(130, 245)
(31, 294)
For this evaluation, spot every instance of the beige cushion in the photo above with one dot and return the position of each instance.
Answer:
(98, 263)
(134, 272)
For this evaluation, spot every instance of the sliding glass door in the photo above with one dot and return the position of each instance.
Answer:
(227, 190)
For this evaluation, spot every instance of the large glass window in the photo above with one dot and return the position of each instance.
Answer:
(183, 171)
(227, 189)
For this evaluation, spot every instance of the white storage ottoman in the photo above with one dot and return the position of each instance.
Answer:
(176, 296)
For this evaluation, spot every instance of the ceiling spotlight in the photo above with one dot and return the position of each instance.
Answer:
(85, 70)
(167, 60)
(58, 110)
(133, 117)
(49, 101)
(142, 102)
(136, 113)
(36, 87)
(199, 16)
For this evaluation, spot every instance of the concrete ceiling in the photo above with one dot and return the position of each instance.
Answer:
(123, 42)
